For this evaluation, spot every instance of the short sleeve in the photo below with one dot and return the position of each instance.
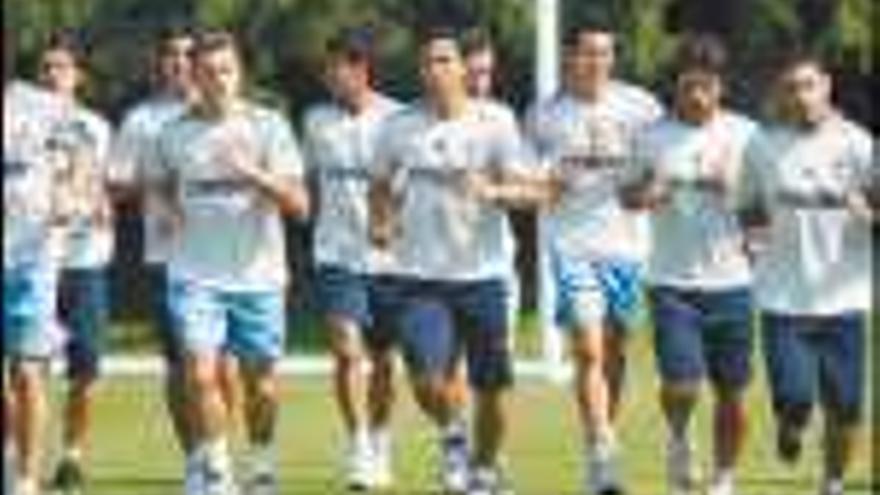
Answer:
(311, 148)
(385, 158)
(862, 156)
(508, 150)
(283, 155)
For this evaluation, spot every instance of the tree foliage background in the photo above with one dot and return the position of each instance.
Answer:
(284, 39)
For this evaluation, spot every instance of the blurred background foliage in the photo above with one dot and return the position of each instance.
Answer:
(284, 38)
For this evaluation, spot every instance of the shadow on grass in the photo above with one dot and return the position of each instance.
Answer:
(782, 484)
(164, 485)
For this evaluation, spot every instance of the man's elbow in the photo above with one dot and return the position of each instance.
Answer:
(295, 202)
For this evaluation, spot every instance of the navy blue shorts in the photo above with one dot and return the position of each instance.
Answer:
(438, 317)
(386, 298)
(699, 333)
(368, 300)
(344, 293)
(84, 310)
(816, 357)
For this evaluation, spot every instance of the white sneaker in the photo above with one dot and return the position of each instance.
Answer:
(358, 464)
(260, 475)
(488, 481)
(219, 483)
(217, 476)
(603, 479)
(380, 443)
(680, 470)
(454, 462)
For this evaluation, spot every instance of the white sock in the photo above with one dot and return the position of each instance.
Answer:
(833, 486)
(360, 438)
(456, 427)
(72, 454)
(380, 438)
(602, 444)
(262, 458)
(215, 453)
(724, 477)
(26, 486)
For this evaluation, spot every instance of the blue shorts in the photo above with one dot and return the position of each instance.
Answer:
(438, 317)
(84, 310)
(368, 300)
(248, 324)
(29, 305)
(700, 332)
(386, 305)
(342, 292)
(594, 293)
(809, 357)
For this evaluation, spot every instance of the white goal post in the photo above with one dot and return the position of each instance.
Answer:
(547, 43)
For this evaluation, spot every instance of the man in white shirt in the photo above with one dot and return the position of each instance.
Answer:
(583, 137)
(813, 174)
(37, 203)
(83, 298)
(231, 170)
(689, 168)
(340, 143)
(431, 209)
(132, 164)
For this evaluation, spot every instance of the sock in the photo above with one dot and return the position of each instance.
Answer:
(262, 458)
(215, 454)
(833, 486)
(603, 444)
(380, 438)
(724, 476)
(72, 454)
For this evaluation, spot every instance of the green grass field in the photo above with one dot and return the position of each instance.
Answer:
(133, 453)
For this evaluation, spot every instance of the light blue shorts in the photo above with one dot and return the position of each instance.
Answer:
(29, 304)
(597, 292)
(249, 324)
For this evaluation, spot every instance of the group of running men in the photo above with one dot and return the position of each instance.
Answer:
(715, 217)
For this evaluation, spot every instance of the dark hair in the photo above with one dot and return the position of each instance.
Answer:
(431, 33)
(70, 42)
(214, 40)
(356, 44)
(171, 33)
(703, 52)
(594, 24)
(475, 40)
(796, 57)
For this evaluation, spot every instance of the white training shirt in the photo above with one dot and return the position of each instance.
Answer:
(232, 234)
(446, 234)
(589, 142)
(131, 162)
(817, 260)
(697, 241)
(89, 242)
(31, 161)
(340, 151)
